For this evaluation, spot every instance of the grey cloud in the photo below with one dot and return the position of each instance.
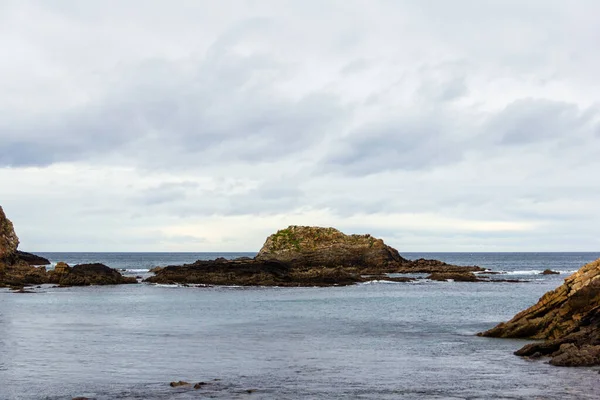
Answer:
(227, 107)
(533, 120)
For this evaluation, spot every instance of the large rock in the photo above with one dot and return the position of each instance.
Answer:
(87, 274)
(8, 239)
(250, 272)
(309, 246)
(568, 318)
(305, 256)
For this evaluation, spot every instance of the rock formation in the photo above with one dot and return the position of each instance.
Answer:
(568, 318)
(87, 274)
(17, 267)
(305, 256)
(308, 246)
(8, 239)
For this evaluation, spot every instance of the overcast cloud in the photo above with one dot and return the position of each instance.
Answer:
(191, 125)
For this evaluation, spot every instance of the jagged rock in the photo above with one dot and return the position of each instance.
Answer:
(308, 246)
(455, 276)
(252, 273)
(155, 270)
(568, 318)
(62, 268)
(88, 274)
(549, 272)
(9, 241)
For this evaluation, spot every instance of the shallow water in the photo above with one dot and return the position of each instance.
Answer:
(372, 341)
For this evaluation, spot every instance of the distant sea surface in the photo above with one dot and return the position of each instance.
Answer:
(377, 340)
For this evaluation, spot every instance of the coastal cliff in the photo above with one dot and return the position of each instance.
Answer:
(567, 318)
(305, 256)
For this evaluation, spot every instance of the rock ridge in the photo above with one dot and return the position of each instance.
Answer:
(568, 318)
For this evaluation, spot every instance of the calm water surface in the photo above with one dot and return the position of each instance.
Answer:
(370, 341)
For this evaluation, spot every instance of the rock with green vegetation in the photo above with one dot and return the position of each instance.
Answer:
(309, 246)
(567, 318)
(306, 256)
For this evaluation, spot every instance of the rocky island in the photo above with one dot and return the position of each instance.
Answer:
(567, 319)
(19, 269)
(306, 256)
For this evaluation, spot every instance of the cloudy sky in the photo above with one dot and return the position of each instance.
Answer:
(188, 125)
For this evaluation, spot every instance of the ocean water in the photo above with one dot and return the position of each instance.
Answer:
(377, 340)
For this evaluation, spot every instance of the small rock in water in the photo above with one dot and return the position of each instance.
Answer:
(178, 383)
(199, 385)
(549, 272)
(251, 390)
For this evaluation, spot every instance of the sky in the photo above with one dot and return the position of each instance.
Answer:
(190, 125)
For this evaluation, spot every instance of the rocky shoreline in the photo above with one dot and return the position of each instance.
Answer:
(567, 319)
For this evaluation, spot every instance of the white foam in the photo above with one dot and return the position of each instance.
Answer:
(137, 270)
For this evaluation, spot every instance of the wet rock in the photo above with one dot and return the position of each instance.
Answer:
(304, 256)
(199, 385)
(179, 383)
(156, 270)
(567, 318)
(88, 274)
(549, 272)
(455, 276)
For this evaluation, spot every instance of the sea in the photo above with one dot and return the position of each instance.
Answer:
(375, 340)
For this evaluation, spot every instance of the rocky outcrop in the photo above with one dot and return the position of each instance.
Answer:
(8, 240)
(308, 246)
(87, 274)
(568, 318)
(250, 272)
(32, 259)
(305, 256)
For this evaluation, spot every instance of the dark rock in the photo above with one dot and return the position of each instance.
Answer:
(252, 273)
(155, 270)
(549, 272)
(431, 266)
(567, 318)
(178, 383)
(455, 276)
(88, 274)
(32, 259)
(199, 385)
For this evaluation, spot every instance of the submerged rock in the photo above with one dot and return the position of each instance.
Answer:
(455, 276)
(179, 383)
(568, 318)
(305, 256)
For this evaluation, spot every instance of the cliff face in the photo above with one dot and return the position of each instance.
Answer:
(567, 317)
(8, 238)
(327, 247)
